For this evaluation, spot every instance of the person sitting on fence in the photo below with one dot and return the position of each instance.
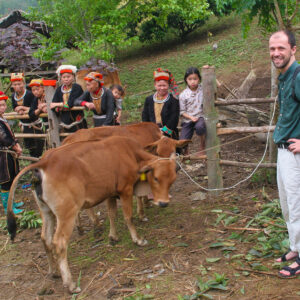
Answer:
(118, 92)
(162, 108)
(10, 149)
(98, 99)
(191, 109)
(22, 99)
(64, 97)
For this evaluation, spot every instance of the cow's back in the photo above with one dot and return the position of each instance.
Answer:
(144, 133)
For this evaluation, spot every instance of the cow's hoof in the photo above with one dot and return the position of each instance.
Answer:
(55, 275)
(142, 242)
(113, 240)
(80, 230)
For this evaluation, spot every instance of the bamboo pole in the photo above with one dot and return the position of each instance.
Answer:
(249, 129)
(244, 101)
(16, 116)
(214, 171)
(38, 135)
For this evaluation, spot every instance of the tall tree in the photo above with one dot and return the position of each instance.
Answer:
(100, 27)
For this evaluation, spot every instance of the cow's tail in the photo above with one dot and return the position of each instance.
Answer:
(10, 218)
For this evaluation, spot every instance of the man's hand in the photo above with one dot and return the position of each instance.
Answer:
(294, 147)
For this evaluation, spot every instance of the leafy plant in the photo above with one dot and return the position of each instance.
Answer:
(218, 283)
(29, 219)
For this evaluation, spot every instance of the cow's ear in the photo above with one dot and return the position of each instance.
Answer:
(182, 143)
(146, 169)
(151, 147)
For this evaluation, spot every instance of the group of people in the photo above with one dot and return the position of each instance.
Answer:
(164, 108)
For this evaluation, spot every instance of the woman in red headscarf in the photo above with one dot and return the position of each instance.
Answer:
(63, 98)
(162, 107)
(22, 99)
(98, 99)
(9, 166)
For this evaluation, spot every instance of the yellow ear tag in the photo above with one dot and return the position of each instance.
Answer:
(143, 177)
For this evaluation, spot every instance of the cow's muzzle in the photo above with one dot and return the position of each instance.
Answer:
(163, 204)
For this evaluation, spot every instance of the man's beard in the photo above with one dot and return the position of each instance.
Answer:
(283, 64)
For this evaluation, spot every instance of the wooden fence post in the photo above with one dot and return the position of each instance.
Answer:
(214, 171)
(52, 119)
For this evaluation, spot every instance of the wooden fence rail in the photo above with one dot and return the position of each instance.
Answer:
(214, 162)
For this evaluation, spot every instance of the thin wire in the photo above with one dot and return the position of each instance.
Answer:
(249, 176)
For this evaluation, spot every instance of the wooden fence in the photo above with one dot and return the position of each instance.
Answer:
(209, 84)
(214, 170)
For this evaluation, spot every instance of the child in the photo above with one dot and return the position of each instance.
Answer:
(191, 108)
(9, 167)
(118, 92)
(64, 97)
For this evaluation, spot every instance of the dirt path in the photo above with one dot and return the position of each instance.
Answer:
(178, 255)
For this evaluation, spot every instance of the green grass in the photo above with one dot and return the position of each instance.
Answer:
(232, 49)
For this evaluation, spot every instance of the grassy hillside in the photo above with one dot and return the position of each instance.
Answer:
(233, 59)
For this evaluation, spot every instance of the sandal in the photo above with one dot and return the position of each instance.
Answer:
(294, 272)
(283, 257)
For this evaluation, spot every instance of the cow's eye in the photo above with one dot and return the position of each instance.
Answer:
(156, 179)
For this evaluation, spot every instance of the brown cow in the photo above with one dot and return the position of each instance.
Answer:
(81, 175)
(147, 134)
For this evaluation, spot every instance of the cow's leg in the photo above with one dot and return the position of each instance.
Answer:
(65, 225)
(112, 214)
(140, 208)
(126, 199)
(47, 232)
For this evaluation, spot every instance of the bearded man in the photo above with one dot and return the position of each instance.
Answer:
(282, 46)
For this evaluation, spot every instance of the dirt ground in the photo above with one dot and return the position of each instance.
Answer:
(175, 259)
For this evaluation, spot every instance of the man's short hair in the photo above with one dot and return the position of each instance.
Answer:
(290, 35)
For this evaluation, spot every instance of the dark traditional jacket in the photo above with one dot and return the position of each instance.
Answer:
(33, 107)
(68, 116)
(169, 112)
(7, 140)
(107, 104)
(26, 101)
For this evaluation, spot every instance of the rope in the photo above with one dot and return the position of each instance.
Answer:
(249, 176)
(221, 145)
